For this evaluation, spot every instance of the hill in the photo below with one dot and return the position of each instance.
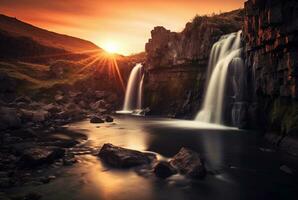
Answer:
(17, 28)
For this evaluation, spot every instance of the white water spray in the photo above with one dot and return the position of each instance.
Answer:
(222, 54)
(134, 90)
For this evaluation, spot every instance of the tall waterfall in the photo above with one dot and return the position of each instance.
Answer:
(224, 53)
(133, 94)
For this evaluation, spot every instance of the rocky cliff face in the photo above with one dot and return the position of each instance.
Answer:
(271, 35)
(176, 64)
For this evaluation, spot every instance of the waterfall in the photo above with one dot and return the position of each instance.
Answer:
(224, 52)
(134, 90)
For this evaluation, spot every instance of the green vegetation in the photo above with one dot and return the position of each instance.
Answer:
(35, 76)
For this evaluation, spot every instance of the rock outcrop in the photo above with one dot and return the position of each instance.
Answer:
(271, 38)
(176, 63)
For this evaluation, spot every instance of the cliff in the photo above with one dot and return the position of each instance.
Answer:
(271, 37)
(176, 64)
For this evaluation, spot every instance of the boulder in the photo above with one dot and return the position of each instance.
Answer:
(164, 169)
(37, 156)
(189, 163)
(96, 119)
(109, 119)
(123, 158)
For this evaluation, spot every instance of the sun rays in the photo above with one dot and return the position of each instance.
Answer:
(104, 63)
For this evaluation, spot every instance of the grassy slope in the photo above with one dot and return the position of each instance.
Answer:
(36, 76)
(18, 28)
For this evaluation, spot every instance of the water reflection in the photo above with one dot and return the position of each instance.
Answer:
(244, 171)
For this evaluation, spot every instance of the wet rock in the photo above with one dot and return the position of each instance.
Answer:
(189, 163)
(109, 119)
(34, 116)
(164, 169)
(23, 99)
(5, 182)
(286, 169)
(98, 105)
(100, 94)
(52, 108)
(29, 196)
(69, 161)
(59, 97)
(9, 118)
(112, 98)
(39, 156)
(123, 158)
(47, 179)
(40, 116)
(96, 119)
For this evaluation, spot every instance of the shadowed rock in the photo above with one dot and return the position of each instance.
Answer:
(109, 119)
(39, 156)
(96, 119)
(189, 163)
(123, 158)
(164, 169)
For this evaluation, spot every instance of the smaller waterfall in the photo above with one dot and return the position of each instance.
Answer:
(134, 90)
(226, 51)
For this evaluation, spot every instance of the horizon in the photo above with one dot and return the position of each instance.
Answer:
(117, 26)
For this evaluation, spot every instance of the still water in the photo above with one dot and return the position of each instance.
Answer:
(243, 166)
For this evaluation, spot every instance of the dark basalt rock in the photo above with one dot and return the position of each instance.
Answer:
(189, 163)
(124, 158)
(164, 169)
(37, 156)
(96, 119)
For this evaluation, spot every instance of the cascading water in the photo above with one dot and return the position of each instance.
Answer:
(225, 52)
(134, 90)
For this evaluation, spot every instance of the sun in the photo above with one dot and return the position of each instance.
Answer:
(111, 47)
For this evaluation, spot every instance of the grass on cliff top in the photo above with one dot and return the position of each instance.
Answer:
(226, 22)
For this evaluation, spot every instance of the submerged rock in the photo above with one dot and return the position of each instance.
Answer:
(164, 169)
(96, 119)
(189, 163)
(123, 158)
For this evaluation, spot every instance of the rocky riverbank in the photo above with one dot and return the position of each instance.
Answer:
(33, 138)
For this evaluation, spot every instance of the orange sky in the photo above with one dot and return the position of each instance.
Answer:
(126, 23)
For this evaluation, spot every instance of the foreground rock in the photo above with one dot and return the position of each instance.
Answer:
(109, 119)
(123, 158)
(189, 163)
(96, 120)
(39, 156)
(164, 169)
(9, 118)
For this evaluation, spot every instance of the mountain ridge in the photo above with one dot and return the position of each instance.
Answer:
(18, 28)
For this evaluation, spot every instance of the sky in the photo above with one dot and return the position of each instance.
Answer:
(124, 25)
